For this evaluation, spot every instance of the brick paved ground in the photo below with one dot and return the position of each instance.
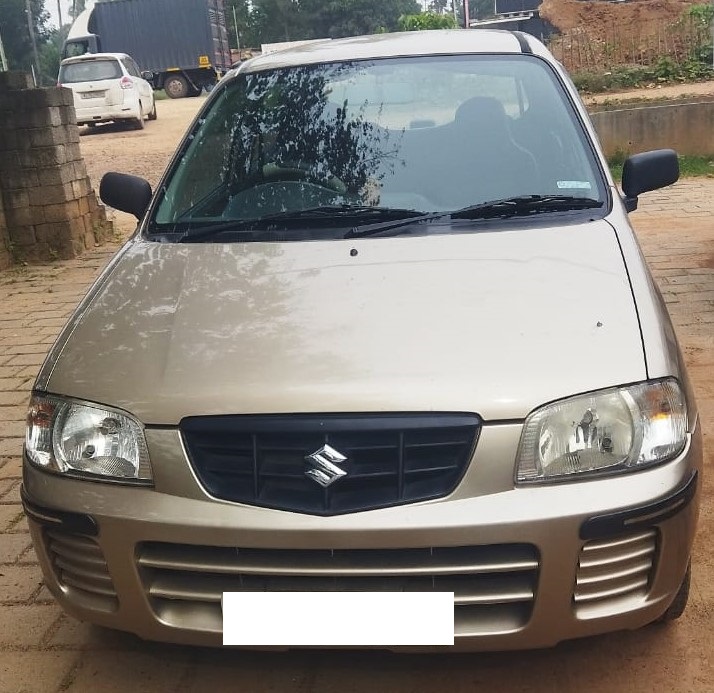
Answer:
(43, 650)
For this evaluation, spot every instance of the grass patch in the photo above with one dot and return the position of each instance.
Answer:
(160, 95)
(665, 71)
(689, 166)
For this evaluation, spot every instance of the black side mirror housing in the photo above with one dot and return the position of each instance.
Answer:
(648, 171)
(126, 193)
(147, 75)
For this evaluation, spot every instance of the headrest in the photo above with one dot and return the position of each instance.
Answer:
(482, 112)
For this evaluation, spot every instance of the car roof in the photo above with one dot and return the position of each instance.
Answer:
(403, 44)
(94, 56)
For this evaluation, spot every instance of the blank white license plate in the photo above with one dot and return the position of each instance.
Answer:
(93, 94)
(338, 618)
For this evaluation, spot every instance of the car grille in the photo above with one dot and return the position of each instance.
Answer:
(79, 566)
(494, 586)
(391, 459)
(610, 569)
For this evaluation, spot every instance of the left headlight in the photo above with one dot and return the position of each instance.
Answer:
(605, 432)
(84, 440)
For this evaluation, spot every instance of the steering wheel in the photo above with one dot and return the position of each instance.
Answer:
(300, 172)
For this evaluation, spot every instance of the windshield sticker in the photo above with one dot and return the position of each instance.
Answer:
(574, 184)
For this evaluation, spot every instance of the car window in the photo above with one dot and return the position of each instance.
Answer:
(131, 68)
(427, 133)
(89, 71)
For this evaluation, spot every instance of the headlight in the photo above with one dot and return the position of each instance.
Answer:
(84, 440)
(609, 431)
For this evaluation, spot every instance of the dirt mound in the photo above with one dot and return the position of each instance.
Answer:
(598, 17)
(596, 35)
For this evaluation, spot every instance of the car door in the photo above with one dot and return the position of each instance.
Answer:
(146, 92)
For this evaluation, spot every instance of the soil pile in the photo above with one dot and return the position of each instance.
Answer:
(599, 17)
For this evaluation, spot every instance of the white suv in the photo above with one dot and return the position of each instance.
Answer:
(108, 87)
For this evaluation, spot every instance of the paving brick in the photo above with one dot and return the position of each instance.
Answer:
(29, 371)
(11, 494)
(158, 672)
(12, 546)
(34, 348)
(35, 672)
(7, 384)
(11, 446)
(74, 634)
(18, 583)
(5, 486)
(9, 515)
(28, 557)
(9, 371)
(27, 359)
(23, 625)
(9, 398)
(12, 429)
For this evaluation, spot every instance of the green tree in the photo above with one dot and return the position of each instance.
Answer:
(291, 20)
(277, 20)
(50, 54)
(15, 33)
(241, 29)
(338, 18)
(426, 20)
(439, 6)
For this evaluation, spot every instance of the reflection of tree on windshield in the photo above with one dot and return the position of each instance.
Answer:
(285, 128)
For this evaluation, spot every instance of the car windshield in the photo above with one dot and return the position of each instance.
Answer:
(407, 135)
(89, 71)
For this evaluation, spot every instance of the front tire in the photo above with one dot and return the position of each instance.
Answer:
(176, 87)
(153, 115)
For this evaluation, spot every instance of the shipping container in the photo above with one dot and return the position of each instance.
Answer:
(509, 6)
(183, 43)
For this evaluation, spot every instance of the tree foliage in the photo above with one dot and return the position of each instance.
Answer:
(426, 20)
(267, 21)
(15, 33)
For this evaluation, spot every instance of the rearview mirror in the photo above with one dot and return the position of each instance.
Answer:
(126, 193)
(648, 171)
(147, 75)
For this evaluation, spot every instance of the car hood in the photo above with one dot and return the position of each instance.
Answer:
(492, 322)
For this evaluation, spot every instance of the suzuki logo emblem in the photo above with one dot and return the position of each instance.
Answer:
(322, 466)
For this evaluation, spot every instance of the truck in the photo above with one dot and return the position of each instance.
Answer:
(180, 45)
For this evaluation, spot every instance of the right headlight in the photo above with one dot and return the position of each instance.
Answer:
(604, 432)
(85, 440)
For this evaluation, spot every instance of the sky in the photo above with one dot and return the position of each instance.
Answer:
(51, 7)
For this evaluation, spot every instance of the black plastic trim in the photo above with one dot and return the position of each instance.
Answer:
(602, 526)
(523, 42)
(259, 460)
(76, 523)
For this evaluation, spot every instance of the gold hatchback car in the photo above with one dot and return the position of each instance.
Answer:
(384, 327)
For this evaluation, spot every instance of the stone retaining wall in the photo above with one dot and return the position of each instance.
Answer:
(50, 209)
(688, 128)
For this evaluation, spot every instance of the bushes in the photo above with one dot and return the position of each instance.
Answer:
(664, 71)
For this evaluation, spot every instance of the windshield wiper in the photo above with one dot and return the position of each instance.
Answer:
(322, 212)
(507, 207)
(399, 224)
(524, 205)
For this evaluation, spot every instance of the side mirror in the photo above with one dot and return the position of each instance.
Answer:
(648, 171)
(126, 193)
(147, 75)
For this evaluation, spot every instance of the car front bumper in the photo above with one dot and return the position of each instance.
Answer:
(530, 566)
